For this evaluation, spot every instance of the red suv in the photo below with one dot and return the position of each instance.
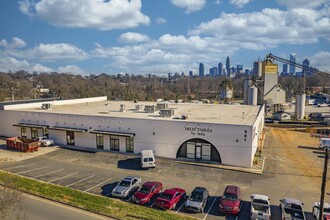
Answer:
(230, 201)
(147, 191)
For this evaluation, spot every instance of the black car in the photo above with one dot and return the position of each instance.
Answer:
(197, 200)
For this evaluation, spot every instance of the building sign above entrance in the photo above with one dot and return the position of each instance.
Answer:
(198, 131)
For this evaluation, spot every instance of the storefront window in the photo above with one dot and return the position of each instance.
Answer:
(114, 143)
(45, 132)
(34, 133)
(99, 141)
(23, 132)
(129, 144)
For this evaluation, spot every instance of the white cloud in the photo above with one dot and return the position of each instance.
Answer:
(95, 14)
(320, 60)
(268, 28)
(12, 64)
(239, 3)
(302, 3)
(132, 37)
(189, 5)
(71, 69)
(55, 52)
(217, 2)
(15, 43)
(160, 20)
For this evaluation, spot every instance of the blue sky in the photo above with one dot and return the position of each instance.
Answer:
(159, 36)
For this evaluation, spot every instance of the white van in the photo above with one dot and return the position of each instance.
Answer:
(148, 159)
(324, 142)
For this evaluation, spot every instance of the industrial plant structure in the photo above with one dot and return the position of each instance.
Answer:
(223, 134)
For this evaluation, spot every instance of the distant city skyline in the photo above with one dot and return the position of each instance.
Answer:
(157, 37)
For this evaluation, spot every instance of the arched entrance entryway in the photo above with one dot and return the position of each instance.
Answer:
(198, 149)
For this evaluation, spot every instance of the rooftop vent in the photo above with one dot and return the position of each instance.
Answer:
(46, 106)
(122, 108)
(166, 113)
(161, 106)
(150, 108)
(139, 107)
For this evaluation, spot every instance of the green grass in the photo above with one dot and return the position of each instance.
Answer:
(94, 203)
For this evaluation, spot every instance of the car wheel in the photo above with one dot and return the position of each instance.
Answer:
(42, 144)
(174, 206)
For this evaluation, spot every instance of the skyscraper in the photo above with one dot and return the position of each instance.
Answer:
(228, 66)
(306, 64)
(239, 68)
(220, 69)
(285, 69)
(201, 70)
(213, 71)
(293, 57)
(190, 73)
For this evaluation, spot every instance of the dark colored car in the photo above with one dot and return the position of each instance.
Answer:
(146, 192)
(170, 198)
(231, 199)
(197, 200)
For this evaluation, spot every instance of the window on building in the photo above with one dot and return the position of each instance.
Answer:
(129, 144)
(70, 138)
(99, 141)
(114, 143)
(34, 133)
(45, 132)
(23, 132)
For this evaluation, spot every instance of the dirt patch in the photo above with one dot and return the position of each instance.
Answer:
(298, 147)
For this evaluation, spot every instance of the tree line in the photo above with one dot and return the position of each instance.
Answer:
(23, 85)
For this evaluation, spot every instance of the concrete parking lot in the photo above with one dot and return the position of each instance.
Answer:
(98, 173)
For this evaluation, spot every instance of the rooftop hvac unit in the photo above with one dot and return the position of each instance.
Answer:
(139, 107)
(166, 113)
(46, 106)
(122, 108)
(161, 106)
(150, 108)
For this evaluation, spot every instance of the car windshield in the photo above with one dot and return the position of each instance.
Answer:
(230, 196)
(166, 196)
(125, 183)
(196, 197)
(145, 189)
(327, 210)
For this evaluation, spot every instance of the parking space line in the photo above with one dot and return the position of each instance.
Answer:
(63, 177)
(27, 171)
(19, 166)
(48, 173)
(80, 180)
(108, 194)
(180, 207)
(130, 198)
(209, 208)
(153, 203)
(236, 217)
(98, 185)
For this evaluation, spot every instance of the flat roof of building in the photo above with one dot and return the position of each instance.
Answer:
(196, 112)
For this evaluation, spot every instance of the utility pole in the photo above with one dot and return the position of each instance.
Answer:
(324, 181)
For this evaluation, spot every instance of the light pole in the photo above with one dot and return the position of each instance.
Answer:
(324, 181)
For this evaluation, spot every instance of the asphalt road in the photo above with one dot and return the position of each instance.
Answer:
(35, 208)
(99, 173)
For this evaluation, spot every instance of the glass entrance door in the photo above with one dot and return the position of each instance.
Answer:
(198, 152)
(70, 138)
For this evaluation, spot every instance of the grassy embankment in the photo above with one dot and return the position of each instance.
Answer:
(94, 203)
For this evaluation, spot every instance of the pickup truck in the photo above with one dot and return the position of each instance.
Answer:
(44, 142)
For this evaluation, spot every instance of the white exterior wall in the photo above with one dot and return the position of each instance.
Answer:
(257, 128)
(162, 136)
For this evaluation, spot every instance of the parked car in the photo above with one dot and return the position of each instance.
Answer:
(125, 186)
(316, 211)
(197, 200)
(260, 207)
(231, 200)
(170, 198)
(324, 143)
(146, 192)
(148, 159)
(44, 142)
(292, 209)
(322, 104)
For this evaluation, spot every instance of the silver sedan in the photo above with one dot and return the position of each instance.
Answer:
(126, 185)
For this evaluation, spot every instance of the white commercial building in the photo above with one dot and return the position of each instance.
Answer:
(224, 134)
